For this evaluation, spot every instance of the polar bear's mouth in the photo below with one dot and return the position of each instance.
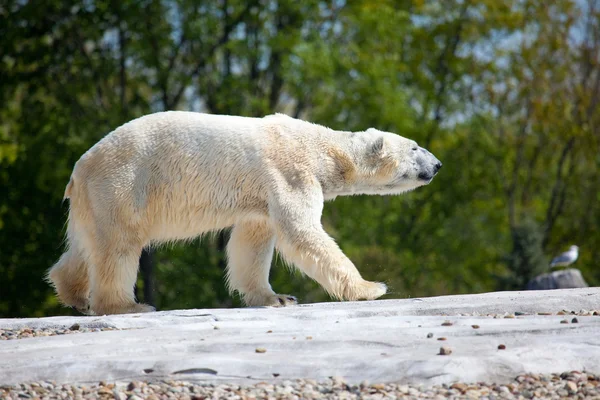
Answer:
(425, 176)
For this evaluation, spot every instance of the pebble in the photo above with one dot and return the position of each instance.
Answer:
(445, 351)
(459, 386)
(573, 384)
(571, 387)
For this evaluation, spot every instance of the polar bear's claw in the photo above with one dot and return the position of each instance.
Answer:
(284, 300)
(275, 300)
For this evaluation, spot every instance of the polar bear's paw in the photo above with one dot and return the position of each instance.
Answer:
(142, 308)
(365, 290)
(271, 300)
(377, 290)
(134, 308)
(84, 308)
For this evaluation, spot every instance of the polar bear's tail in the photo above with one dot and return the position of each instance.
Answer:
(69, 189)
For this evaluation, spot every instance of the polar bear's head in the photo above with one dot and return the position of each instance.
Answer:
(390, 164)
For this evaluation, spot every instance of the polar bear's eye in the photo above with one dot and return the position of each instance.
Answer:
(415, 149)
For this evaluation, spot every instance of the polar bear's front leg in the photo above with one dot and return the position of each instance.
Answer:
(315, 253)
(303, 241)
(249, 253)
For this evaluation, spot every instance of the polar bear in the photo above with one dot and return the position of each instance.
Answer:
(176, 175)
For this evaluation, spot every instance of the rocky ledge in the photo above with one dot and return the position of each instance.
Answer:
(428, 342)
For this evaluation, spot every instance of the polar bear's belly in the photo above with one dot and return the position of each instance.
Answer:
(187, 211)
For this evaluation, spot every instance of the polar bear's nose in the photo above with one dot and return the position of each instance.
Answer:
(437, 166)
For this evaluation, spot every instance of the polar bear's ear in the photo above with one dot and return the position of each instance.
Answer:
(378, 147)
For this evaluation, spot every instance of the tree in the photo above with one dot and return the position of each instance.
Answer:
(505, 93)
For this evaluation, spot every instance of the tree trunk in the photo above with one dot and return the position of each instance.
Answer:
(147, 269)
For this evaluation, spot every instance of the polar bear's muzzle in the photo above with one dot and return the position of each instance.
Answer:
(428, 164)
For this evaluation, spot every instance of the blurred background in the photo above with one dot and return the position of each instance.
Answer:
(504, 92)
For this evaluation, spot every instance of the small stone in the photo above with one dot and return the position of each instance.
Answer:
(378, 386)
(501, 347)
(309, 338)
(105, 391)
(445, 351)
(429, 335)
(544, 313)
(475, 326)
(509, 316)
(74, 327)
(564, 321)
(133, 385)
(441, 338)
(574, 321)
(447, 323)
(261, 350)
(527, 394)
(403, 389)
(459, 386)
(216, 328)
(571, 387)
(519, 313)
(503, 389)
(269, 331)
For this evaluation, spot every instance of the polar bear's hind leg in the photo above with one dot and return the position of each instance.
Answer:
(113, 273)
(69, 276)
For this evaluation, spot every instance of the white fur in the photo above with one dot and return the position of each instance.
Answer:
(176, 175)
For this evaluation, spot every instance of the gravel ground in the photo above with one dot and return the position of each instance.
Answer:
(26, 332)
(574, 385)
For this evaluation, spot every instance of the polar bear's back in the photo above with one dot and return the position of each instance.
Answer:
(171, 170)
(181, 129)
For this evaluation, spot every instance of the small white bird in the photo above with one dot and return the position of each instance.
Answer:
(566, 258)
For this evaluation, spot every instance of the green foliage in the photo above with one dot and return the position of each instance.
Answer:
(505, 93)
